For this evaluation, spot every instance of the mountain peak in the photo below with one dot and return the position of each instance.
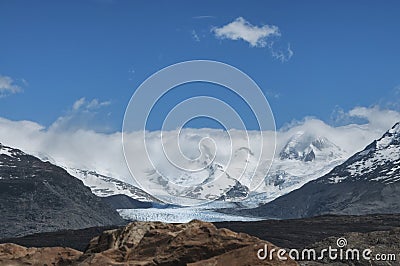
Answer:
(306, 147)
(10, 152)
(391, 137)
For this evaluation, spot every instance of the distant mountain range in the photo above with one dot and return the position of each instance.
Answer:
(37, 196)
(303, 158)
(368, 182)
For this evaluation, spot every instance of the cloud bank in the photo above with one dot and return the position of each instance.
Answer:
(102, 152)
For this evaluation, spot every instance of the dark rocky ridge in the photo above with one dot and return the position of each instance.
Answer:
(77, 239)
(124, 202)
(37, 196)
(235, 193)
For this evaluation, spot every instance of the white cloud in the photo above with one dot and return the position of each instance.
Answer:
(8, 86)
(264, 36)
(96, 104)
(376, 117)
(78, 104)
(80, 148)
(352, 137)
(240, 29)
(83, 115)
(82, 103)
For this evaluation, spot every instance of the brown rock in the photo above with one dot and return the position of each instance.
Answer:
(12, 254)
(241, 257)
(195, 243)
(152, 243)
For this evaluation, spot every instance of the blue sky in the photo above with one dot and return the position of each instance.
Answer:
(77, 63)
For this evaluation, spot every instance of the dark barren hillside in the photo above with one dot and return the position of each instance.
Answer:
(36, 196)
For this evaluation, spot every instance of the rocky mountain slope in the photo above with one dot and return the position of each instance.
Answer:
(125, 202)
(36, 196)
(368, 182)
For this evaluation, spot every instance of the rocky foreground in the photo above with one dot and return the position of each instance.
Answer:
(152, 243)
(379, 242)
(200, 243)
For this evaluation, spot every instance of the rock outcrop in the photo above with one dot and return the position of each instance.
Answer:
(155, 243)
(15, 255)
(194, 243)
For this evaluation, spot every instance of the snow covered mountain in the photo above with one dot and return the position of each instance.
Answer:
(307, 147)
(226, 175)
(303, 158)
(104, 186)
(219, 185)
(379, 161)
(101, 185)
(368, 182)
